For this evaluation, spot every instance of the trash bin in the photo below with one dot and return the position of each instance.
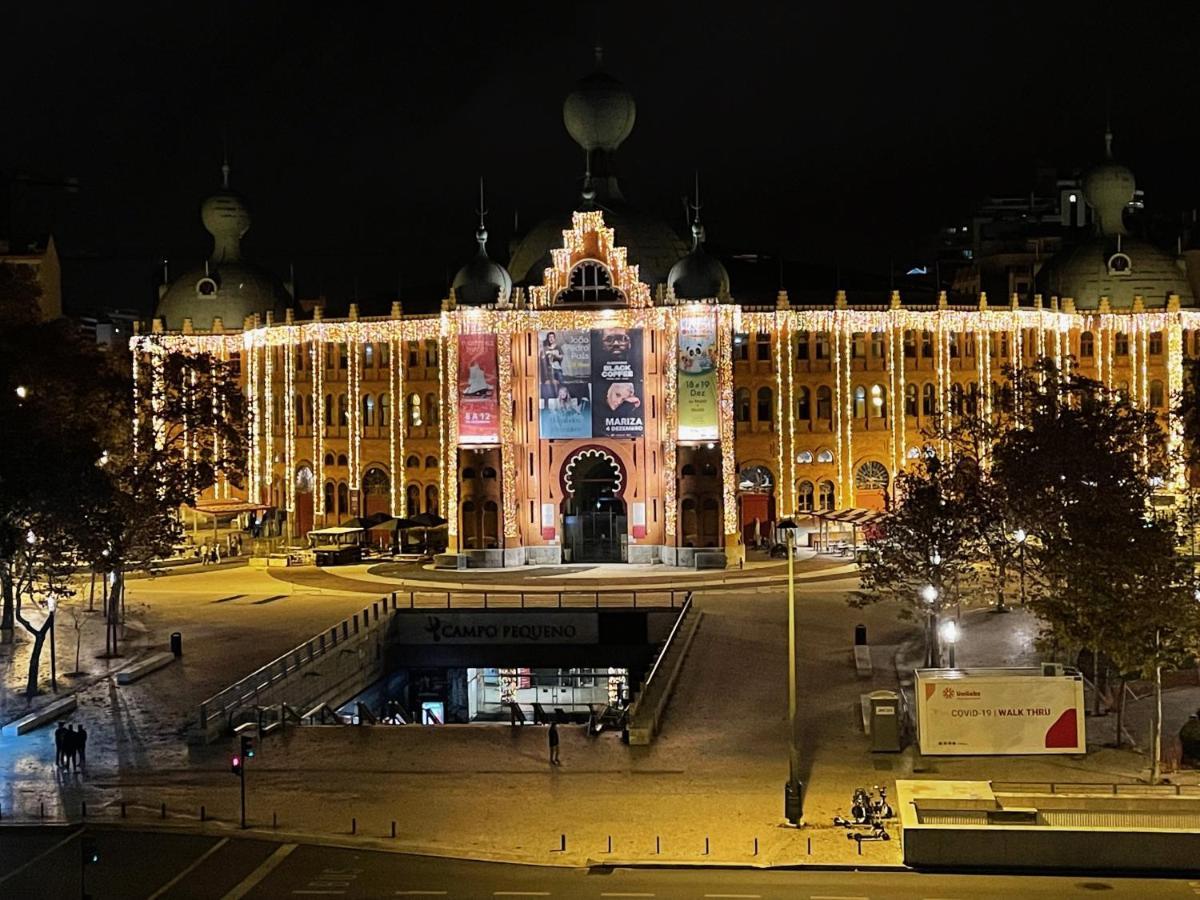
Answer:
(885, 721)
(860, 635)
(177, 643)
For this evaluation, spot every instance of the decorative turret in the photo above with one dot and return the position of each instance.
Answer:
(482, 281)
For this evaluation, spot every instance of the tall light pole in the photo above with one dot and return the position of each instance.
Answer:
(793, 793)
(949, 634)
(1020, 536)
(929, 595)
(52, 603)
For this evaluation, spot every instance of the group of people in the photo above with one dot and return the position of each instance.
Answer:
(210, 554)
(70, 746)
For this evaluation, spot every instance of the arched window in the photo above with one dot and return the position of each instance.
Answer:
(804, 457)
(341, 459)
(927, 344)
(299, 410)
(376, 482)
(742, 404)
(804, 496)
(308, 401)
(755, 480)
(824, 456)
(824, 403)
(764, 404)
(329, 459)
(328, 508)
(803, 406)
(491, 523)
(825, 495)
(821, 345)
(383, 410)
(431, 499)
(343, 499)
(431, 462)
(487, 472)
(1087, 345)
(802, 345)
(1121, 346)
(368, 410)
(1155, 343)
(412, 462)
(412, 500)
(431, 409)
(762, 350)
(343, 411)
(877, 344)
(328, 410)
(414, 410)
(687, 471)
(972, 398)
(860, 402)
(912, 401)
(871, 476)
(878, 401)
(928, 400)
(368, 356)
(467, 474)
(1156, 395)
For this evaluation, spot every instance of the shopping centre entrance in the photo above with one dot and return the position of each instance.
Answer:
(594, 519)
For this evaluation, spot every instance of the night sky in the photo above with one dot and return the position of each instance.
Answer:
(823, 132)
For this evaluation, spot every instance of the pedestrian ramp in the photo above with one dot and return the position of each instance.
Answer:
(648, 708)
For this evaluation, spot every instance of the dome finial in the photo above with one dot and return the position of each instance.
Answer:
(224, 161)
(1108, 136)
(697, 228)
(481, 235)
(598, 50)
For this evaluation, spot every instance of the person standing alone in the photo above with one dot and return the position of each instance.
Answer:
(60, 750)
(81, 745)
(553, 738)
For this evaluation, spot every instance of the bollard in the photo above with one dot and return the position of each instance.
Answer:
(706, 846)
(610, 843)
(163, 811)
(563, 843)
(858, 840)
(122, 809)
(393, 827)
(810, 846)
(203, 812)
(274, 820)
(353, 826)
(83, 809)
(657, 844)
(42, 806)
(756, 846)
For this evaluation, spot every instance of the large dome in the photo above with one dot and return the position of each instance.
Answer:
(226, 287)
(482, 281)
(1096, 269)
(600, 112)
(229, 291)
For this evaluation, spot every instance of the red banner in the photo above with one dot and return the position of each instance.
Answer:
(478, 396)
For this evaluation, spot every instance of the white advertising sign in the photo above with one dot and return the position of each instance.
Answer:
(996, 714)
(495, 628)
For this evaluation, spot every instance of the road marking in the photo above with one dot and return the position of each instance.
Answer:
(520, 893)
(834, 897)
(188, 871)
(42, 855)
(750, 896)
(251, 881)
(634, 895)
(338, 892)
(420, 893)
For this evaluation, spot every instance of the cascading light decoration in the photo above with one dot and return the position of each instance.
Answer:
(779, 330)
(588, 234)
(354, 350)
(448, 425)
(395, 432)
(256, 443)
(846, 488)
(508, 437)
(725, 329)
(840, 390)
(897, 386)
(1174, 331)
(670, 426)
(289, 432)
(317, 367)
(268, 476)
(789, 455)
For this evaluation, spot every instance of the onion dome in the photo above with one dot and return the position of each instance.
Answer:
(226, 286)
(482, 281)
(698, 276)
(1108, 189)
(599, 113)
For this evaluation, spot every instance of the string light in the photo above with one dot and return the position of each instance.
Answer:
(448, 430)
(779, 330)
(254, 389)
(670, 429)
(354, 344)
(317, 367)
(841, 388)
(268, 356)
(790, 406)
(395, 432)
(725, 318)
(508, 443)
(289, 432)
(847, 485)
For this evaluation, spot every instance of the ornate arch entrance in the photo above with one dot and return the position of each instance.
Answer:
(595, 527)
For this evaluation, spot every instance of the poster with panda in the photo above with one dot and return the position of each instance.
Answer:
(696, 384)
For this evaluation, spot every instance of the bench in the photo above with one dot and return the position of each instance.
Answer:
(153, 663)
(44, 715)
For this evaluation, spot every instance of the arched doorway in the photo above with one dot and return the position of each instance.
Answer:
(304, 500)
(377, 491)
(594, 520)
(871, 484)
(756, 503)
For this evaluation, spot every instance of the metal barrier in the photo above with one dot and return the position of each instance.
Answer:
(1127, 789)
(547, 599)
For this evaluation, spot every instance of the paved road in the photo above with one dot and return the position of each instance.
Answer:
(174, 866)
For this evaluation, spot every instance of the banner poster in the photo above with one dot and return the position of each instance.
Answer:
(565, 376)
(697, 378)
(478, 399)
(617, 384)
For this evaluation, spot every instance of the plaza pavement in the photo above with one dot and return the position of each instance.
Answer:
(716, 772)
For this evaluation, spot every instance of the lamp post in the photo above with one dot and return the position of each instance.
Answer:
(793, 793)
(52, 603)
(949, 634)
(929, 595)
(1020, 536)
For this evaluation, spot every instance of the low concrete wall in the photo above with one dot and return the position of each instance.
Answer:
(1039, 847)
(43, 716)
(141, 669)
(647, 711)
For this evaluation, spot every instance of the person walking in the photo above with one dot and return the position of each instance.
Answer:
(553, 738)
(81, 745)
(60, 750)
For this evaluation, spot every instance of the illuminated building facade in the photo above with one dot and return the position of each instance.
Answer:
(594, 414)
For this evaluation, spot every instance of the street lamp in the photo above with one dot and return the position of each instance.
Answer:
(949, 634)
(929, 595)
(1020, 536)
(22, 391)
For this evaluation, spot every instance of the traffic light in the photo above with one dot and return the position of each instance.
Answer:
(247, 746)
(235, 765)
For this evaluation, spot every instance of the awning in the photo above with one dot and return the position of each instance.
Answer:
(228, 507)
(335, 531)
(856, 516)
(389, 524)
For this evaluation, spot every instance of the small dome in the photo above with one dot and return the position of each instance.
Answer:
(600, 112)
(1108, 189)
(482, 281)
(698, 276)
